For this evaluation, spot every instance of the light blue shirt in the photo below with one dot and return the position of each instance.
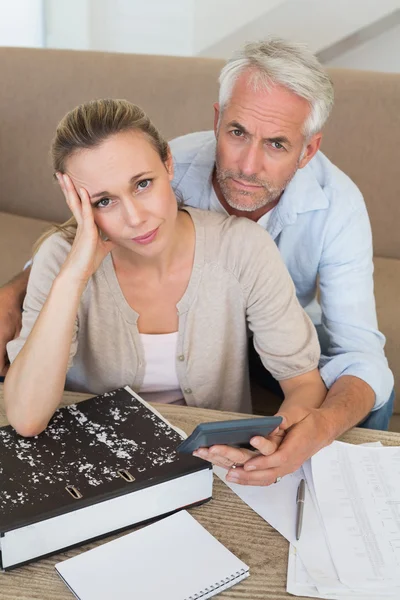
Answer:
(322, 230)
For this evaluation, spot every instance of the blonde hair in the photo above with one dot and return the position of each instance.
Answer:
(87, 126)
(289, 64)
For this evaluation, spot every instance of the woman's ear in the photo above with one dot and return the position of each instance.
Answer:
(169, 165)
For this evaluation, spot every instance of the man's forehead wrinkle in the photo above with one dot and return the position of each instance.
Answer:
(276, 102)
(277, 122)
(263, 104)
(254, 82)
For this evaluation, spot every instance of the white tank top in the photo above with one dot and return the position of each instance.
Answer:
(160, 382)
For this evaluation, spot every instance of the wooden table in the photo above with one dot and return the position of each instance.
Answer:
(229, 519)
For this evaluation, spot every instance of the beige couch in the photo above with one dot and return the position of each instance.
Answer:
(39, 86)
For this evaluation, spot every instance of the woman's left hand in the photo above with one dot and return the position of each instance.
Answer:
(88, 249)
(240, 460)
(294, 443)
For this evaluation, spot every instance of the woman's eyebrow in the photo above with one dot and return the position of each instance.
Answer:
(132, 180)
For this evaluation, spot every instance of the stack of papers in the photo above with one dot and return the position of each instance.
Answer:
(350, 542)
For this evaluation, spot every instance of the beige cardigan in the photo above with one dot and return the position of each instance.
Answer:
(238, 283)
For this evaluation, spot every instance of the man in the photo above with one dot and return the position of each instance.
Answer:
(264, 163)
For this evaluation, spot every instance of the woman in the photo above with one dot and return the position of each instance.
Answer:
(135, 290)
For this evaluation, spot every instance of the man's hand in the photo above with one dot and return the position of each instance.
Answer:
(303, 432)
(281, 453)
(11, 296)
(227, 456)
(301, 441)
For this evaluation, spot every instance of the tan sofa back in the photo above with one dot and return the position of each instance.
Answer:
(39, 86)
(362, 138)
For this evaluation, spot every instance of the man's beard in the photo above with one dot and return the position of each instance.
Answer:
(262, 198)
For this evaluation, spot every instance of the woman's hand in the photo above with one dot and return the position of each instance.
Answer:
(88, 249)
(240, 460)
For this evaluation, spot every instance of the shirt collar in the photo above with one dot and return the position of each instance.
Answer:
(303, 194)
(195, 184)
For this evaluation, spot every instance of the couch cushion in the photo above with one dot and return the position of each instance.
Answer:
(17, 236)
(387, 294)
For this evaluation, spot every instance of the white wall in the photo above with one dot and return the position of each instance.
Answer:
(21, 23)
(319, 23)
(67, 24)
(205, 27)
(379, 54)
(145, 27)
(215, 19)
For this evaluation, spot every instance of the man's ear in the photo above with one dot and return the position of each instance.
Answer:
(169, 164)
(217, 113)
(311, 149)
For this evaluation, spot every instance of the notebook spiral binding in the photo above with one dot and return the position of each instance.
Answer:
(218, 584)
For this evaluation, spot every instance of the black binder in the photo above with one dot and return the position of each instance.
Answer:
(101, 466)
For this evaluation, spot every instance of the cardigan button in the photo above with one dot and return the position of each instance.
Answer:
(181, 357)
(187, 390)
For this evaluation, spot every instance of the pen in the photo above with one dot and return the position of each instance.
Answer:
(301, 491)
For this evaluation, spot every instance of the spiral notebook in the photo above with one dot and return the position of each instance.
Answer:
(174, 559)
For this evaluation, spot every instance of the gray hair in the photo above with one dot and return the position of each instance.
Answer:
(291, 65)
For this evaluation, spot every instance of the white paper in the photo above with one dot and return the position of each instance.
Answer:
(358, 494)
(173, 559)
(299, 583)
(276, 504)
(312, 571)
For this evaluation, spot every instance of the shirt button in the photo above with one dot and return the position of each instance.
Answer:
(181, 357)
(187, 390)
